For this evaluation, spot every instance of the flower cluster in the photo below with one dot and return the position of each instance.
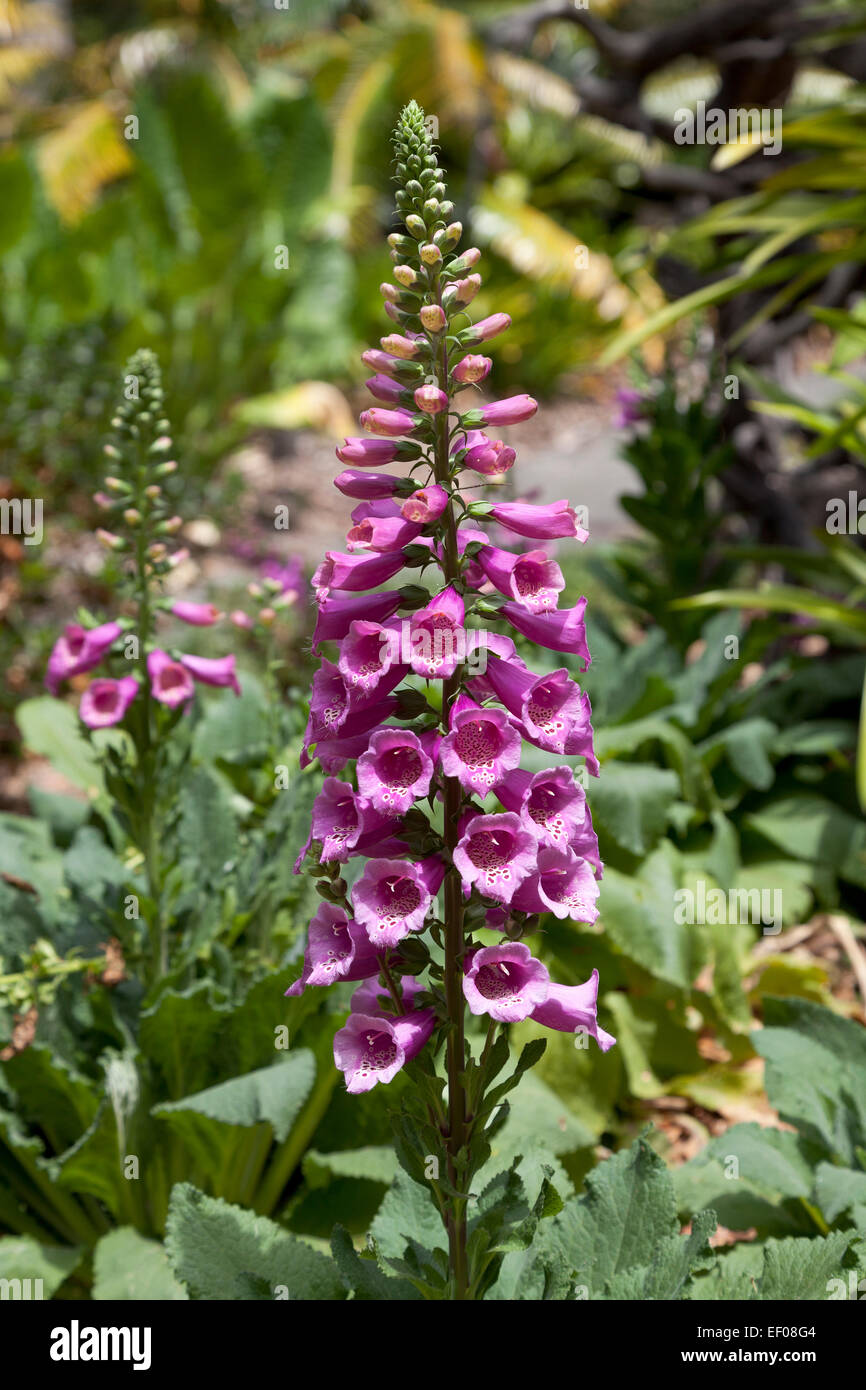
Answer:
(135, 493)
(403, 699)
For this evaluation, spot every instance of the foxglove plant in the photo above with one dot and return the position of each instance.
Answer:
(148, 690)
(431, 707)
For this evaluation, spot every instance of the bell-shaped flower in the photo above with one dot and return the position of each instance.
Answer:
(506, 982)
(337, 949)
(336, 613)
(481, 747)
(561, 631)
(355, 572)
(369, 660)
(547, 523)
(371, 1048)
(532, 579)
(394, 772)
(105, 702)
(495, 854)
(437, 636)
(564, 884)
(393, 896)
(170, 682)
(77, 650)
(213, 670)
(551, 804)
(572, 1009)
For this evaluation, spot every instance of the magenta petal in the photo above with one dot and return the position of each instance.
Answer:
(569, 1008)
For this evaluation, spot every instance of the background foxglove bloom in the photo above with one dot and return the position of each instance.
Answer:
(105, 702)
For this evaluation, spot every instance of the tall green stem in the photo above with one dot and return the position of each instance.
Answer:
(455, 1138)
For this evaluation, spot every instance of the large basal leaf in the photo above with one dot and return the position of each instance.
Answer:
(625, 1228)
(809, 827)
(129, 1267)
(46, 1266)
(51, 1095)
(209, 1122)
(220, 1251)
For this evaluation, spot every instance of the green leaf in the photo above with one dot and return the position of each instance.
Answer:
(24, 1258)
(214, 1249)
(208, 823)
(371, 1163)
(638, 916)
(408, 1211)
(620, 1223)
(630, 802)
(363, 1278)
(799, 1269)
(839, 1190)
(751, 1175)
(675, 1261)
(52, 729)
(811, 828)
(128, 1266)
(816, 1073)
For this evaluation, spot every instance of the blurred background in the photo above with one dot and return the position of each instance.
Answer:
(210, 178)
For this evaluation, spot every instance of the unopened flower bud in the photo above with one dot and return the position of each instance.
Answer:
(240, 619)
(153, 491)
(103, 501)
(267, 616)
(132, 516)
(433, 318)
(164, 469)
(405, 275)
(467, 289)
(255, 591)
(431, 400)
(417, 226)
(430, 253)
(115, 484)
(398, 346)
(172, 525)
(109, 540)
(389, 292)
(161, 445)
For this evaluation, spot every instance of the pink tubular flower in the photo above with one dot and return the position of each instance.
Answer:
(337, 820)
(531, 579)
(485, 329)
(394, 772)
(511, 411)
(367, 453)
(488, 456)
(425, 505)
(553, 521)
(431, 400)
(551, 804)
(352, 738)
(384, 388)
(380, 526)
(105, 702)
(481, 747)
(561, 631)
(506, 982)
(78, 650)
(371, 1048)
(393, 896)
(354, 572)
(219, 670)
(170, 682)
(572, 1009)
(555, 715)
(336, 614)
(388, 422)
(369, 661)
(564, 884)
(472, 368)
(365, 486)
(337, 949)
(196, 614)
(437, 636)
(495, 853)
